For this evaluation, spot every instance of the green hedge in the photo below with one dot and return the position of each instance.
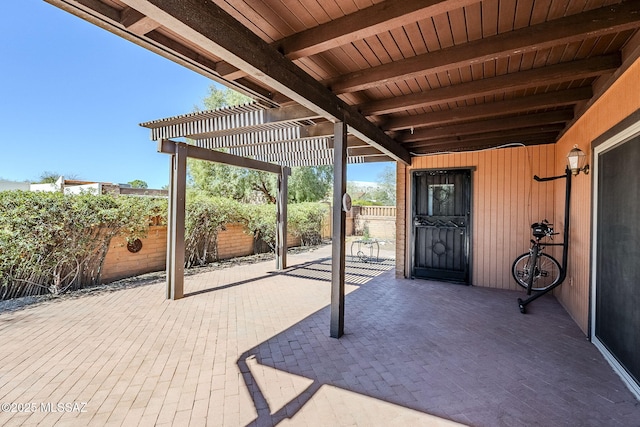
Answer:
(206, 216)
(50, 242)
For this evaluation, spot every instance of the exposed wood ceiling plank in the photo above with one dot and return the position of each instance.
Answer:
(552, 74)
(537, 57)
(529, 120)
(494, 137)
(511, 106)
(572, 28)
(461, 146)
(210, 27)
(367, 22)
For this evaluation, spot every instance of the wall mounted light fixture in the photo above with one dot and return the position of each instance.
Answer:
(576, 160)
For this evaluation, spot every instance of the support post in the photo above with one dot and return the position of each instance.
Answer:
(176, 224)
(281, 234)
(338, 231)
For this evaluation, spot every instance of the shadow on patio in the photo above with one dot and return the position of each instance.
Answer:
(250, 347)
(422, 353)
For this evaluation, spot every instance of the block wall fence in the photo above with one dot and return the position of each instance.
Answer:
(234, 241)
(119, 263)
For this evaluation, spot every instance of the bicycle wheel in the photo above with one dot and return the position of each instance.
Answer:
(545, 274)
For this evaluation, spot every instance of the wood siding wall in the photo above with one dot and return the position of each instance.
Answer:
(620, 101)
(505, 201)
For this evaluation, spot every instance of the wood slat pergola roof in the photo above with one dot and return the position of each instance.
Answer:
(288, 136)
(407, 76)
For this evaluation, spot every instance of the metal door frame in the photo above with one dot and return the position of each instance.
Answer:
(411, 193)
(601, 146)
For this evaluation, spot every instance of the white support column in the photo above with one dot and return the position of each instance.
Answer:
(338, 230)
(176, 224)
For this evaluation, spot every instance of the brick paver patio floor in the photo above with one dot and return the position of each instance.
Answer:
(248, 346)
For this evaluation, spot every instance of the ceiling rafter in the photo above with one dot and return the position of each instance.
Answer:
(573, 28)
(481, 144)
(551, 74)
(367, 22)
(489, 125)
(491, 109)
(380, 17)
(532, 60)
(523, 135)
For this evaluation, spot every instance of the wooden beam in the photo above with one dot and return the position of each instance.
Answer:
(504, 123)
(320, 130)
(136, 22)
(338, 232)
(176, 224)
(544, 76)
(574, 28)
(207, 25)
(366, 22)
(490, 109)
(171, 147)
(364, 151)
(377, 159)
(496, 137)
(461, 146)
(281, 221)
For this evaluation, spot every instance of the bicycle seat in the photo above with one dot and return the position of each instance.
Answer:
(541, 229)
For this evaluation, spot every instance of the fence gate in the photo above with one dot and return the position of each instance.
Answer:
(441, 218)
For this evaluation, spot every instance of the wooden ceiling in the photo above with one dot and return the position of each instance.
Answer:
(410, 76)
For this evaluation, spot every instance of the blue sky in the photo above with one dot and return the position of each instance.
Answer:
(72, 96)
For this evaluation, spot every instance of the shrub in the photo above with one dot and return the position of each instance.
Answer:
(306, 220)
(205, 217)
(50, 242)
(261, 221)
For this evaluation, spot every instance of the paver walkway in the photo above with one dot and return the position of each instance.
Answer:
(248, 346)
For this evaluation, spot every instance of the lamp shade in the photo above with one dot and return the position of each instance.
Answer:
(576, 160)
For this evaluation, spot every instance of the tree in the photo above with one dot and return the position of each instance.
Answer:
(380, 193)
(48, 177)
(310, 184)
(386, 191)
(236, 183)
(306, 184)
(220, 98)
(138, 183)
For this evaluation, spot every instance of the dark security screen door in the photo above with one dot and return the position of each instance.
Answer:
(441, 211)
(617, 297)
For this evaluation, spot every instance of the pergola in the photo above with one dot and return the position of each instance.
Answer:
(371, 80)
(265, 139)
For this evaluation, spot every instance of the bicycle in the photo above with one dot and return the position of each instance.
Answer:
(536, 270)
